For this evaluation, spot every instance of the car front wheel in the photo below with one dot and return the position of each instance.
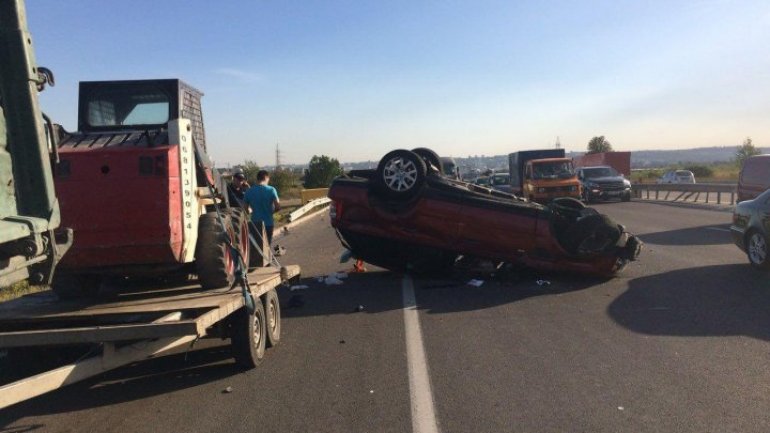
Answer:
(756, 250)
(401, 174)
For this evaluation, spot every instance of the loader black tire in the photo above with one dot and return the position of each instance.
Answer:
(214, 263)
(240, 222)
(72, 286)
(591, 234)
(248, 335)
(272, 318)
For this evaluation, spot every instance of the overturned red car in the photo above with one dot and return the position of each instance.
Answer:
(406, 215)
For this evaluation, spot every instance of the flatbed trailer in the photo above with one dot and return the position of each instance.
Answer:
(139, 323)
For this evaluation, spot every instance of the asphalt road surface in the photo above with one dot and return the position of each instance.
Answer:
(679, 342)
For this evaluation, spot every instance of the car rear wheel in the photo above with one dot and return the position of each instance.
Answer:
(757, 250)
(430, 157)
(401, 174)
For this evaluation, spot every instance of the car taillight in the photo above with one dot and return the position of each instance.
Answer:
(335, 211)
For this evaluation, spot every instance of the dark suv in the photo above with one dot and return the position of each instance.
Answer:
(603, 182)
(407, 216)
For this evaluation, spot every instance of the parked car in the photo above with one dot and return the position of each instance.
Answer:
(404, 215)
(754, 177)
(751, 220)
(677, 176)
(496, 181)
(603, 182)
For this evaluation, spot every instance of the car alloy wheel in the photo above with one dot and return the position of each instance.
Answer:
(757, 249)
(400, 174)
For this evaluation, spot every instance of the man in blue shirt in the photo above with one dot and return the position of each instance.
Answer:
(263, 201)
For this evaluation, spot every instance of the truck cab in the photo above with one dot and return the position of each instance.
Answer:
(549, 178)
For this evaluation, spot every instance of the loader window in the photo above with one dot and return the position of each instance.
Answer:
(135, 106)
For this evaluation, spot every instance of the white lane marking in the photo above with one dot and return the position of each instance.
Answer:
(717, 229)
(423, 411)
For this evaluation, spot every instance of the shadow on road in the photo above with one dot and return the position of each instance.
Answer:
(704, 235)
(157, 376)
(717, 300)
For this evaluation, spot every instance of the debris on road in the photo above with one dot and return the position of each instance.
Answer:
(358, 266)
(298, 287)
(279, 250)
(621, 408)
(543, 282)
(320, 279)
(342, 341)
(227, 390)
(332, 280)
(475, 283)
(285, 230)
(346, 256)
(359, 309)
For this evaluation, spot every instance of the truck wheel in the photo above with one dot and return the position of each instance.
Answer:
(592, 234)
(401, 174)
(247, 337)
(430, 157)
(272, 318)
(213, 260)
(72, 286)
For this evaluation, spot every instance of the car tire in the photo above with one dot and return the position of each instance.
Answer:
(430, 157)
(591, 234)
(757, 250)
(401, 174)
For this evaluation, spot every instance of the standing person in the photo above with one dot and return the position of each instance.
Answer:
(237, 188)
(263, 201)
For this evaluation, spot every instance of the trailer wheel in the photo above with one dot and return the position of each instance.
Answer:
(72, 286)
(248, 335)
(213, 260)
(273, 318)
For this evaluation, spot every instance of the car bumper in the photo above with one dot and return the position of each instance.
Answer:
(739, 236)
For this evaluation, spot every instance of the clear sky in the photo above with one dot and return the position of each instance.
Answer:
(354, 79)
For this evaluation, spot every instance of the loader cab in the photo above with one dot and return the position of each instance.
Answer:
(139, 105)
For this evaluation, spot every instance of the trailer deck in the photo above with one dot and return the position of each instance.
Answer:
(139, 323)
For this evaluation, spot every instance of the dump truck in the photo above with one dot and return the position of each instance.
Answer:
(542, 175)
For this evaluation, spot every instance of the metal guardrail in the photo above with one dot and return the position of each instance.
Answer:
(691, 192)
(307, 207)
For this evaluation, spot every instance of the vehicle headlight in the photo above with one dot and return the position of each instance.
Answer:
(626, 183)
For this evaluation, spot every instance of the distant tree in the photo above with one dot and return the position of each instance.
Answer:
(250, 170)
(283, 180)
(598, 145)
(321, 171)
(745, 151)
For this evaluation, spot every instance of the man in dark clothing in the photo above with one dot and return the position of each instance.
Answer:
(237, 188)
